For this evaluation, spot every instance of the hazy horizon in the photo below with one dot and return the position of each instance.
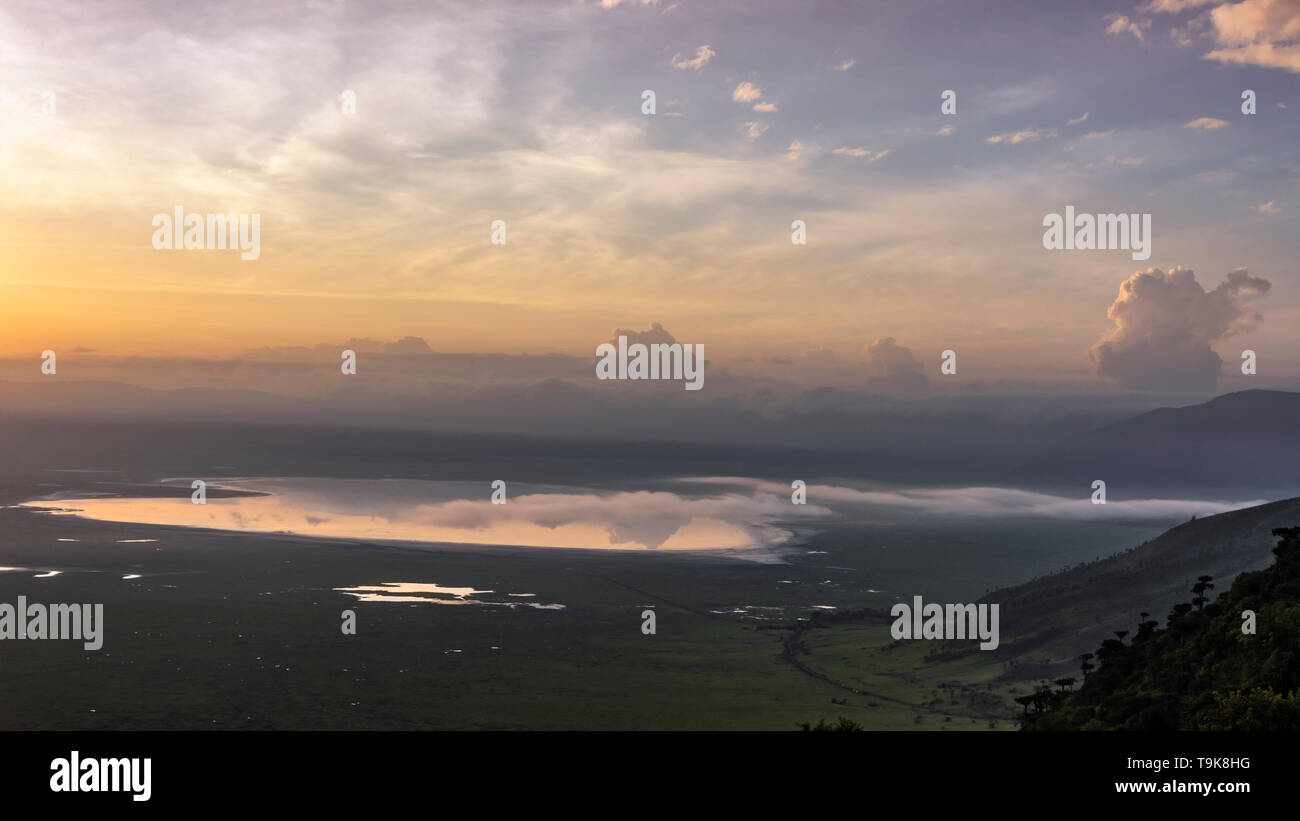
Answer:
(924, 229)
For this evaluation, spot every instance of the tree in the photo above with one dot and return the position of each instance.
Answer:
(1202, 585)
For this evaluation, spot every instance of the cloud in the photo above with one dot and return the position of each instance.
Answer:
(1217, 176)
(703, 55)
(995, 502)
(656, 334)
(1172, 6)
(550, 516)
(1026, 136)
(408, 346)
(646, 519)
(1165, 324)
(893, 368)
(1099, 135)
(1078, 120)
(943, 132)
(860, 152)
(1260, 54)
(795, 150)
(1258, 32)
(821, 356)
(1120, 24)
(1268, 208)
(755, 130)
(1187, 35)
(1206, 123)
(1027, 95)
(746, 92)
(845, 66)
(1112, 159)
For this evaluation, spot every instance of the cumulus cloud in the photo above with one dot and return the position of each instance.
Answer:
(408, 346)
(1121, 24)
(1206, 123)
(845, 66)
(1080, 119)
(765, 107)
(893, 368)
(703, 55)
(754, 130)
(656, 334)
(1165, 324)
(1254, 32)
(746, 92)
(1269, 207)
(1258, 32)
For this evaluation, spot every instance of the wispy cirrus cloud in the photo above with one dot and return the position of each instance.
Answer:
(863, 153)
(1027, 135)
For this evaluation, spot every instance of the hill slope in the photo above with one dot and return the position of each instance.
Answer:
(1205, 670)
(1047, 623)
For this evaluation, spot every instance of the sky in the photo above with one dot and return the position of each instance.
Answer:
(924, 229)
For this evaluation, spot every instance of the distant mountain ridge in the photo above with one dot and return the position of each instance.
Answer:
(1233, 443)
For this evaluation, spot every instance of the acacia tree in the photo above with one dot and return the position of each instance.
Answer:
(1201, 586)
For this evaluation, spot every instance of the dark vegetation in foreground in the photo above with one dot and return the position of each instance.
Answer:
(1202, 671)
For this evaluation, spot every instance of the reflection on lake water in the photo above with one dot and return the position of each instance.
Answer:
(457, 512)
(421, 593)
(718, 513)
